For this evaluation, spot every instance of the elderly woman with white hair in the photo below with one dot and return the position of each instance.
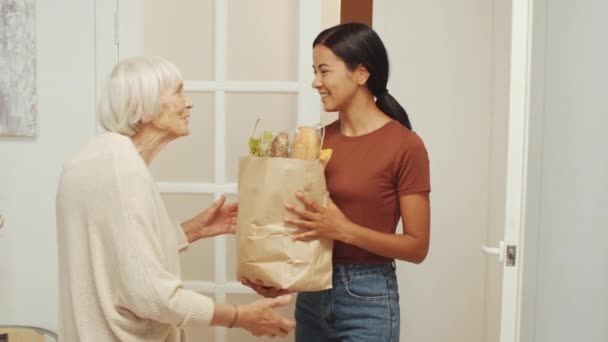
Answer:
(118, 248)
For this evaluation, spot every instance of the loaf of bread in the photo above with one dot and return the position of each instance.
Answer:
(306, 144)
(279, 146)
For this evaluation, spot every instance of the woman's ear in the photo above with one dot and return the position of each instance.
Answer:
(361, 74)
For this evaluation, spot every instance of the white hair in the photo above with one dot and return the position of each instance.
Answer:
(133, 93)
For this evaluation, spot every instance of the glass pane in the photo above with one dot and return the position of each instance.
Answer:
(231, 248)
(262, 40)
(277, 111)
(243, 335)
(231, 258)
(201, 333)
(190, 158)
(183, 32)
(198, 259)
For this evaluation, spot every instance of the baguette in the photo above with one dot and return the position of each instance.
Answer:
(306, 144)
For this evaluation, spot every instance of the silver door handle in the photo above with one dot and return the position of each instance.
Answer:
(498, 251)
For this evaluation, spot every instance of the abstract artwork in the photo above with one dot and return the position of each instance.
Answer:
(18, 102)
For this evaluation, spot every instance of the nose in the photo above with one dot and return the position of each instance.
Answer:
(316, 82)
(188, 103)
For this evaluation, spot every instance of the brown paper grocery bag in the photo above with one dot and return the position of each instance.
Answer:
(265, 250)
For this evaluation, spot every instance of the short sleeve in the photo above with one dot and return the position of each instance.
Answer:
(413, 175)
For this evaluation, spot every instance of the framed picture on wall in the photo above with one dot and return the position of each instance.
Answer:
(18, 100)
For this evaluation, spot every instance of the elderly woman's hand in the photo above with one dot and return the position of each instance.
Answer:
(219, 218)
(261, 319)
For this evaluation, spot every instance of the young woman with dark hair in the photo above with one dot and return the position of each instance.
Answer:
(378, 174)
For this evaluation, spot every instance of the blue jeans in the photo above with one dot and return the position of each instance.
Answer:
(362, 306)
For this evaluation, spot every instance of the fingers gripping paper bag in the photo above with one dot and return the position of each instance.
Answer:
(268, 179)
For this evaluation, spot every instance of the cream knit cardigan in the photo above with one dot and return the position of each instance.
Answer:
(119, 267)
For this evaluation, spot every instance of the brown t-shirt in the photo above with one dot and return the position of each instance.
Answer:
(366, 176)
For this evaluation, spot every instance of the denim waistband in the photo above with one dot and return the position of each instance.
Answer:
(362, 269)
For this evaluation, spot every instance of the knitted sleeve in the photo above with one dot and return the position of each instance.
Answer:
(182, 240)
(142, 284)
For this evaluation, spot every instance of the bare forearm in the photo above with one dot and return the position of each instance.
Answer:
(398, 246)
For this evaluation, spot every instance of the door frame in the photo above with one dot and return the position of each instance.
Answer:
(524, 168)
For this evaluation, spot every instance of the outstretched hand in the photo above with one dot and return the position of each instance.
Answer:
(260, 318)
(219, 218)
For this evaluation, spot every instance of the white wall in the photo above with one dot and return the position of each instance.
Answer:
(29, 168)
(570, 300)
(501, 53)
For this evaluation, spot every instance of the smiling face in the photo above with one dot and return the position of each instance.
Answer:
(175, 115)
(336, 84)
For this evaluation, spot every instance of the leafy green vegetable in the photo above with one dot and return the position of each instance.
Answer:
(254, 147)
(258, 147)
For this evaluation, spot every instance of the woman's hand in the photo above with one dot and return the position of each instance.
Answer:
(219, 218)
(328, 223)
(260, 318)
(265, 291)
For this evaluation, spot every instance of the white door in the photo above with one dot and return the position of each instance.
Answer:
(463, 92)
(241, 60)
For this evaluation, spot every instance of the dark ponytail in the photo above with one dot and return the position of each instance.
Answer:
(387, 103)
(358, 44)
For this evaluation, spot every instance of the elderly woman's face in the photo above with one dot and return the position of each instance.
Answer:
(175, 114)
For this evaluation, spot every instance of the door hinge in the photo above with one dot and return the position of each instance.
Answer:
(511, 255)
